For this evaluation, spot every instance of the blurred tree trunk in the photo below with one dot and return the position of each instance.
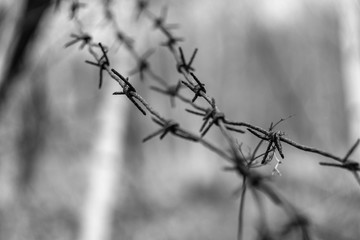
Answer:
(25, 33)
(30, 135)
(349, 38)
(106, 161)
(33, 111)
(105, 168)
(34, 122)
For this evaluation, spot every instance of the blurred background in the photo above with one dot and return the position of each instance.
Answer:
(72, 161)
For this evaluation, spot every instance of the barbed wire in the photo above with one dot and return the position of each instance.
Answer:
(211, 115)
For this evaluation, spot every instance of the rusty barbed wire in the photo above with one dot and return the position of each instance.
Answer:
(211, 115)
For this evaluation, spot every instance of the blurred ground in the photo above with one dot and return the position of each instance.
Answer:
(260, 61)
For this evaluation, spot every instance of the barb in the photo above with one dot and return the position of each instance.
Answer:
(143, 65)
(128, 90)
(167, 126)
(159, 22)
(171, 42)
(123, 39)
(197, 89)
(141, 6)
(347, 164)
(273, 138)
(215, 116)
(172, 91)
(186, 66)
(75, 7)
(103, 63)
(351, 150)
(84, 38)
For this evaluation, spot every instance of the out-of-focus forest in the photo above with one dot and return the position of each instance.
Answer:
(72, 161)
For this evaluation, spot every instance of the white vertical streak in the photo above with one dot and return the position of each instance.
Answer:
(105, 191)
(105, 169)
(349, 38)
